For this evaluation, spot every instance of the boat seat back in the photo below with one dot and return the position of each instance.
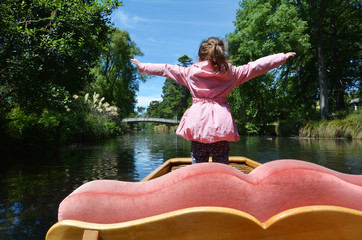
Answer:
(270, 189)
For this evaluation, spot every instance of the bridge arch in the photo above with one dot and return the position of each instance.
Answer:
(147, 119)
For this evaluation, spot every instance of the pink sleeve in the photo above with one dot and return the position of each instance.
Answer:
(174, 72)
(258, 67)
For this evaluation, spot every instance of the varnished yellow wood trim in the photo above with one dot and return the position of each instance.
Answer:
(310, 222)
(90, 235)
(167, 166)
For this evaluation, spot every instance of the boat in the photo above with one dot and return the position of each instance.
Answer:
(281, 199)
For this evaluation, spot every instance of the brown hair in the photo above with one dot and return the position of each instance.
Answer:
(213, 49)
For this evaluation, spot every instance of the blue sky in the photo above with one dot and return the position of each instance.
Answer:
(166, 30)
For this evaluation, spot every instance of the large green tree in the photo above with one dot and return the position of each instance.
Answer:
(335, 30)
(326, 36)
(154, 109)
(262, 28)
(171, 105)
(47, 49)
(117, 79)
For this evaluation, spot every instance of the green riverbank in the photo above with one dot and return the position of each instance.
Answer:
(343, 126)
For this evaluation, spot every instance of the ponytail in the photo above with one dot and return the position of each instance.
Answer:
(213, 49)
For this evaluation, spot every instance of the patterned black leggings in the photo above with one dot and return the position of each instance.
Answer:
(219, 151)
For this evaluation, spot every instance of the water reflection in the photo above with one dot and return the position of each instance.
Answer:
(341, 155)
(151, 149)
(31, 189)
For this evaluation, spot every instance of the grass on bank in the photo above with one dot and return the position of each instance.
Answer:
(343, 126)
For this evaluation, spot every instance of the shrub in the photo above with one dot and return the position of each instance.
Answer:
(90, 119)
(79, 120)
(161, 128)
(288, 127)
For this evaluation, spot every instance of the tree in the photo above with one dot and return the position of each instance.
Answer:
(172, 96)
(343, 33)
(47, 49)
(117, 79)
(334, 27)
(175, 97)
(261, 30)
(185, 61)
(140, 111)
(325, 34)
(153, 110)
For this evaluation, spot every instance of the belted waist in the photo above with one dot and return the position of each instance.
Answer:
(211, 100)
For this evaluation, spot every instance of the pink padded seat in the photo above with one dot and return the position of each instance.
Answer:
(270, 189)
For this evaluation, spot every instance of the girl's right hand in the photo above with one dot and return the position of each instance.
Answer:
(136, 62)
(289, 54)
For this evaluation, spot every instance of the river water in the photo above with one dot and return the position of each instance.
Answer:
(31, 189)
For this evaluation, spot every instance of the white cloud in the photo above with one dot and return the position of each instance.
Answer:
(151, 39)
(127, 20)
(144, 101)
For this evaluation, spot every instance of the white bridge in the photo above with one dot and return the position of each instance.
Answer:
(147, 119)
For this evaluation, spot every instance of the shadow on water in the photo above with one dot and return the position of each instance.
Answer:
(32, 188)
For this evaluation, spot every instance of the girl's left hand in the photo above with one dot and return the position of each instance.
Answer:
(136, 62)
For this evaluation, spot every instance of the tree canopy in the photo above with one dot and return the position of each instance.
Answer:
(261, 29)
(47, 48)
(117, 79)
(53, 56)
(325, 34)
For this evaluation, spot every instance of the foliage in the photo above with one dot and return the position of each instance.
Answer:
(50, 51)
(47, 49)
(104, 109)
(261, 30)
(161, 128)
(153, 110)
(334, 28)
(24, 125)
(288, 127)
(117, 79)
(82, 119)
(90, 118)
(291, 93)
(172, 95)
(36, 131)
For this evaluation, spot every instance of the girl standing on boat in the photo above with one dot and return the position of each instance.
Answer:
(208, 123)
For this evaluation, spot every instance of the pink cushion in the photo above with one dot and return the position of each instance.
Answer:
(271, 188)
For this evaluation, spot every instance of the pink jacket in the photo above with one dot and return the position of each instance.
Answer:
(209, 118)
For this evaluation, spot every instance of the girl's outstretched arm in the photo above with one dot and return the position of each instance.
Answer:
(262, 65)
(174, 72)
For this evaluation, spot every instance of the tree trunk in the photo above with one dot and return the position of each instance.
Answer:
(337, 74)
(322, 75)
(340, 105)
